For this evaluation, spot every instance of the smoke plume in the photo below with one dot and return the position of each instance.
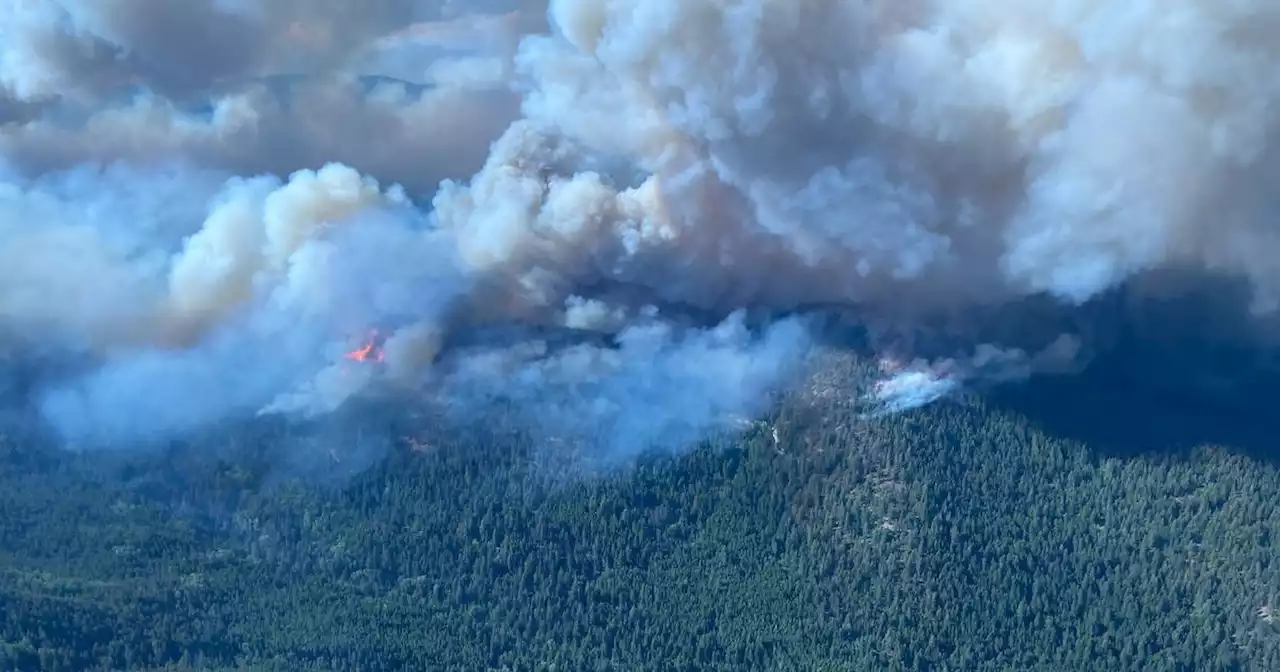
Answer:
(618, 218)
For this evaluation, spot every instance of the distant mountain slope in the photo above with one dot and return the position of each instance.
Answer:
(960, 536)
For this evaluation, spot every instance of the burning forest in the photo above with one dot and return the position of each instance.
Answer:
(629, 220)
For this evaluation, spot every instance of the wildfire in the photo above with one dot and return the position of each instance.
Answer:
(369, 351)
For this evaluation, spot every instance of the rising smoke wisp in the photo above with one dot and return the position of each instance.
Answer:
(613, 214)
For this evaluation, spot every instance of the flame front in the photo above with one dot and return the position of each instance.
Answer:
(368, 351)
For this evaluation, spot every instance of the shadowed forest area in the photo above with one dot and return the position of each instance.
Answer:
(984, 533)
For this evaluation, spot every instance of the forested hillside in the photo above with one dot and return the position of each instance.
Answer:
(971, 535)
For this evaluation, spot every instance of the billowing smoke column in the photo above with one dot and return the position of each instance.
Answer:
(613, 220)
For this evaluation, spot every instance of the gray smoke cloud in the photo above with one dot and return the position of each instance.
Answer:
(610, 215)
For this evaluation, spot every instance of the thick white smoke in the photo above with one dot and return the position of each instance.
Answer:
(554, 206)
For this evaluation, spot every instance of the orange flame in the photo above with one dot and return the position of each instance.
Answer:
(368, 351)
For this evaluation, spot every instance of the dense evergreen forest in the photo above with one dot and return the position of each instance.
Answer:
(1058, 526)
